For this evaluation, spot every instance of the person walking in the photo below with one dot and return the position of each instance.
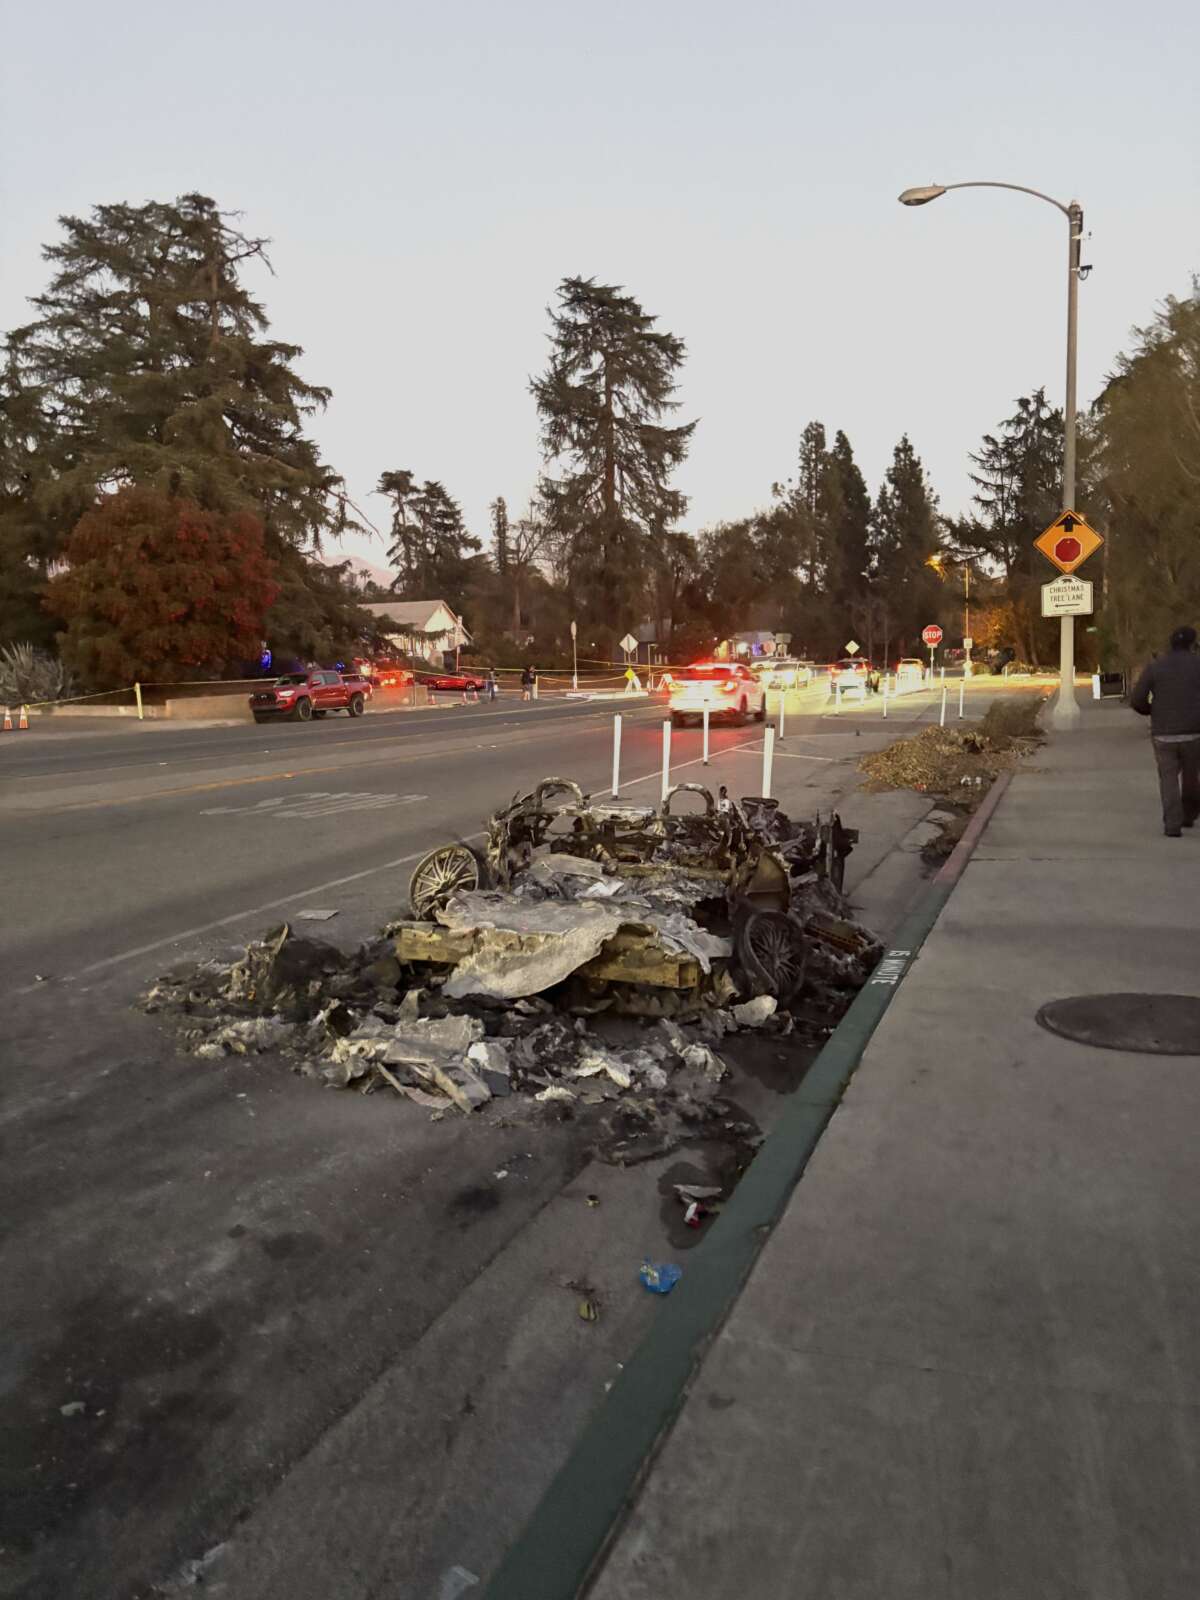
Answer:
(527, 683)
(1168, 692)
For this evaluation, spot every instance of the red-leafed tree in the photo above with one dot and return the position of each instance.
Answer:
(157, 589)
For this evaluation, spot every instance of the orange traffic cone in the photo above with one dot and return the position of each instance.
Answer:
(8, 727)
(24, 722)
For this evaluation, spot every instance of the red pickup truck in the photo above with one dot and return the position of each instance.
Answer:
(301, 695)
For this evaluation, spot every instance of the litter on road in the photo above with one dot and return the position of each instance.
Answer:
(591, 959)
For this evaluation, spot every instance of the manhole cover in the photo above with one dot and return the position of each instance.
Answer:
(1154, 1024)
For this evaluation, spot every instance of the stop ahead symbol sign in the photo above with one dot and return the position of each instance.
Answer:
(932, 635)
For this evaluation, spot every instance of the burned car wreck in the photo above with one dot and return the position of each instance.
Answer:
(589, 951)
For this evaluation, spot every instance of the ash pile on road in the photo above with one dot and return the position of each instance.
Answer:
(946, 761)
(593, 955)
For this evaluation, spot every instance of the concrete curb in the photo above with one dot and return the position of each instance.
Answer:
(563, 1543)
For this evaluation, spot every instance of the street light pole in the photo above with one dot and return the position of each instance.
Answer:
(1065, 714)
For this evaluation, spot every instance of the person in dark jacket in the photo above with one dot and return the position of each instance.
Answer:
(1168, 692)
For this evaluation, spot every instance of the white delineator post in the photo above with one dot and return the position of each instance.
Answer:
(616, 783)
(782, 711)
(961, 687)
(666, 772)
(885, 694)
(137, 694)
(942, 718)
(704, 718)
(837, 697)
(768, 760)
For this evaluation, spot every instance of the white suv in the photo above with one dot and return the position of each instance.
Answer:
(727, 688)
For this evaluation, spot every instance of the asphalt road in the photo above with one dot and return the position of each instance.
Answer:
(302, 1344)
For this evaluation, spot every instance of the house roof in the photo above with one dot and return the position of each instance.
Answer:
(411, 613)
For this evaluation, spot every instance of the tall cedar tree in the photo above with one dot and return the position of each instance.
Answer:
(150, 362)
(609, 384)
(155, 588)
(430, 542)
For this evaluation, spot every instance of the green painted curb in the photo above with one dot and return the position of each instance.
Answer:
(557, 1550)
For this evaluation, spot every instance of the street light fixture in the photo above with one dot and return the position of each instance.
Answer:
(1066, 709)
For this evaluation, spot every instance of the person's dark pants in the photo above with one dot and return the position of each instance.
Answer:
(1178, 782)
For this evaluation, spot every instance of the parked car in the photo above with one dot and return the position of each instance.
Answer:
(786, 672)
(727, 689)
(301, 695)
(852, 674)
(457, 681)
(910, 672)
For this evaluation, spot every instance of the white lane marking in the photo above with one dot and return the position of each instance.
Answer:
(317, 803)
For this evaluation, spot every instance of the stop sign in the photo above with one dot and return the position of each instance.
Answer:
(932, 635)
(1067, 550)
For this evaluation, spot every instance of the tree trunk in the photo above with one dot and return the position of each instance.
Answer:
(516, 596)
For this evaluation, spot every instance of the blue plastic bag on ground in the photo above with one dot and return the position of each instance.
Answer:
(660, 1278)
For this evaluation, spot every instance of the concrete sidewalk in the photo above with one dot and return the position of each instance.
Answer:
(965, 1364)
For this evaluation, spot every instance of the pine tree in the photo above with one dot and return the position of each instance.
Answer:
(609, 384)
(904, 534)
(499, 513)
(1147, 450)
(1018, 491)
(150, 363)
(811, 498)
(847, 553)
(430, 542)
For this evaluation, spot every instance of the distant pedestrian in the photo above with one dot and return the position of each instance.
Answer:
(527, 680)
(1168, 692)
(633, 683)
(493, 688)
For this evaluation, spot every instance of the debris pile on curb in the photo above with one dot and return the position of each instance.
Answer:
(591, 954)
(942, 761)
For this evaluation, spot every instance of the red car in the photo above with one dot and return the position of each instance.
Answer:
(458, 681)
(301, 695)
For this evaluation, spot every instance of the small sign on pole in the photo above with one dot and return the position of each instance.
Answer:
(853, 647)
(629, 644)
(932, 636)
(1067, 597)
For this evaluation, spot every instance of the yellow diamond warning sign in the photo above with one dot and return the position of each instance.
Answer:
(1068, 541)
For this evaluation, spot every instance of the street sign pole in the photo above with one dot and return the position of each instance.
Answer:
(1065, 714)
(574, 657)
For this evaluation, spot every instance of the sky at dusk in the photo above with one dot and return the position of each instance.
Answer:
(429, 173)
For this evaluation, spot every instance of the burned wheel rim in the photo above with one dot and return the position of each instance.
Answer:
(772, 952)
(444, 872)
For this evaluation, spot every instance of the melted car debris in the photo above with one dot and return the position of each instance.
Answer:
(591, 959)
